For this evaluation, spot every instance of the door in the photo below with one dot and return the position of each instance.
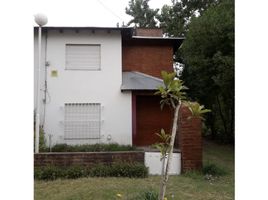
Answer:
(150, 119)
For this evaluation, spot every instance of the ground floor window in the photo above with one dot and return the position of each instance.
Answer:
(82, 120)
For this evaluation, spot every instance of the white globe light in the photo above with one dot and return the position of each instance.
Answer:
(40, 19)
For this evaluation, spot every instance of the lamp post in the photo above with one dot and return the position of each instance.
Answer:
(41, 20)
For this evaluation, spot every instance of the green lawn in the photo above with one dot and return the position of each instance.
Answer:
(181, 187)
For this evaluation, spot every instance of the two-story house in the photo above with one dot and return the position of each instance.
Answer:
(97, 84)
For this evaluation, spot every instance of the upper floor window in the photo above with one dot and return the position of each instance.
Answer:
(82, 56)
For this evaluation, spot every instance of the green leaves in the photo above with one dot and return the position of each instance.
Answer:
(164, 145)
(197, 110)
(208, 55)
(165, 138)
(172, 92)
(167, 77)
(143, 15)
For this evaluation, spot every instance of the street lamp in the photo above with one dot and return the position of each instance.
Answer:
(41, 20)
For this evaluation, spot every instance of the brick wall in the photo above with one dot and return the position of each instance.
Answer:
(190, 141)
(85, 158)
(153, 32)
(148, 59)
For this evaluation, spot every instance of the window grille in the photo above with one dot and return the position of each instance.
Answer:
(82, 57)
(82, 121)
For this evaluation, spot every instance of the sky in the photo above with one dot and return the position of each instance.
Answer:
(88, 12)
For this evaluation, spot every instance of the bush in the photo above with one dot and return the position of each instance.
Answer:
(101, 170)
(120, 169)
(75, 172)
(148, 195)
(194, 174)
(212, 169)
(48, 173)
(92, 148)
(209, 170)
(42, 141)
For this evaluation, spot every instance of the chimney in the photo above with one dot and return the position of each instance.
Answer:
(148, 32)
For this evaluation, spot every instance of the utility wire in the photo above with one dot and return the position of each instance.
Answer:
(110, 10)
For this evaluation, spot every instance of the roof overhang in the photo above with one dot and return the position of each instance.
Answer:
(126, 31)
(175, 42)
(127, 35)
(139, 81)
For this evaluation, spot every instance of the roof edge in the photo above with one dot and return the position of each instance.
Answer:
(160, 38)
(85, 27)
(147, 75)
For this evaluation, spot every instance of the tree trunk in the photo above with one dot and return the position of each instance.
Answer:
(222, 117)
(211, 124)
(162, 173)
(163, 184)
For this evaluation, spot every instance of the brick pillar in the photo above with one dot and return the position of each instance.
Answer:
(190, 140)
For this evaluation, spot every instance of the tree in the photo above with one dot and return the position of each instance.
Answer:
(172, 94)
(174, 19)
(208, 54)
(143, 15)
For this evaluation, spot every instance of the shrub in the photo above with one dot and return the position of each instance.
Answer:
(48, 173)
(212, 169)
(194, 174)
(75, 172)
(120, 169)
(148, 195)
(61, 148)
(42, 141)
(101, 170)
(209, 170)
(92, 148)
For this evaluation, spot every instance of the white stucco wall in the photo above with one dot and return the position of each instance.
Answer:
(153, 162)
(82, 86)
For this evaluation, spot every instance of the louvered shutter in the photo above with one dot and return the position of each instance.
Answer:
(82, 57)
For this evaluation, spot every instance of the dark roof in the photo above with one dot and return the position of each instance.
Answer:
(127, 34)
(84, 27)
(174, 41)
(139, 81)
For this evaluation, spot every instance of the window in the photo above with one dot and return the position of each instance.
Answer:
(82, 57)
(82, 121)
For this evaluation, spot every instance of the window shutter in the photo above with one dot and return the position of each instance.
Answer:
(82, 56)
(82, 121)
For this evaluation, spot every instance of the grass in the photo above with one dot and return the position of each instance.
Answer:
(190, 186)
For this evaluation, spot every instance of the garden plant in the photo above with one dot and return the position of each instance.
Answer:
(173, 94)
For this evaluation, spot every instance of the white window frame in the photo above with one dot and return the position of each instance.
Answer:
(72, 131)
(90, 68)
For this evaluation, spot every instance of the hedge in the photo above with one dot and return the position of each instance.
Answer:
(90, 148)
(119, 169)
